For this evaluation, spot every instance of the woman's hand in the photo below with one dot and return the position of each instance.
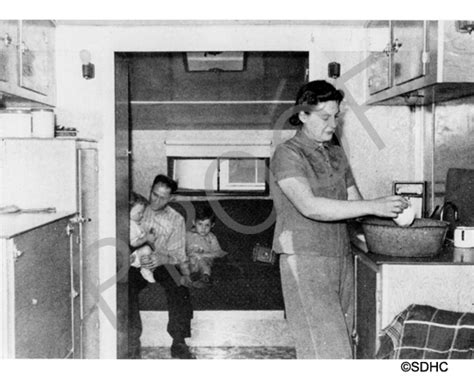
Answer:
(389, 206)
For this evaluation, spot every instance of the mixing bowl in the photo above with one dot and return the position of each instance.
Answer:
(423, 238)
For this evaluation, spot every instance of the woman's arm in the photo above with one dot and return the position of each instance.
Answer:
(300, 194)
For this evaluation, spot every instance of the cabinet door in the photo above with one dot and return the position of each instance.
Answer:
(366, 310)
(76, 292)
(8, 31)
(50, 164)
(379, 70)
(43, 312)
(408, 44)
(449, 287)
(36, 49)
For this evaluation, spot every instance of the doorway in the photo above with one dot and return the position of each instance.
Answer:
(160, 96)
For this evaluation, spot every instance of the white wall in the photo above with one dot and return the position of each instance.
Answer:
(88, 105)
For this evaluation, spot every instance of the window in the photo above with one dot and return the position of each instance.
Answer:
(219, 175)
(242, 174)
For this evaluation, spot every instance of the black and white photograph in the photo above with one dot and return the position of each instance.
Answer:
(180, 188)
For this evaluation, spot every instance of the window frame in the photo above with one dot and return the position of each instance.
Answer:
(219, 191)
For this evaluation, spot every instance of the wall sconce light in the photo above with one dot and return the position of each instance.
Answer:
(88, 70)
(464, 26)
(334, 70)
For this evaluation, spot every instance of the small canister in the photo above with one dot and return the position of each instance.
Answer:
(15, 123)
(464, 236)
(43, 123)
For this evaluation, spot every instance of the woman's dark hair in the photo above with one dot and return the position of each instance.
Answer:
(313, 93)
(136, 198)
(205, 213)
(166, 181)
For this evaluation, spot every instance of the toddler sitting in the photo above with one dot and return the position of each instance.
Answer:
(202, 246)
(139, 238)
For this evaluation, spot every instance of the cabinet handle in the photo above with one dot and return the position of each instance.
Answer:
(79, 220)
(355, 338)
(23, 47)
(425, 57)
(7, 40)
(396, 45)
(69, 228)
(392, 48)
(17, 254)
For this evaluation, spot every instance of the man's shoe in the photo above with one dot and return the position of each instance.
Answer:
(200, 284)
(181, 351)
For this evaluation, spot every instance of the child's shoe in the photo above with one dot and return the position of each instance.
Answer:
(148, 275)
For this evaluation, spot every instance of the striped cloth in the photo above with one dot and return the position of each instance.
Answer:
(424, 332)
(170, 229)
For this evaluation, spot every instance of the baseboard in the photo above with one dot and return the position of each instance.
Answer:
(221, 328)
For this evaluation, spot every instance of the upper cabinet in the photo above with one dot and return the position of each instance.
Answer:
(8, 29)
(419, 62)
(380, 63)
(36, 56)
(27, 61)
(408, 45)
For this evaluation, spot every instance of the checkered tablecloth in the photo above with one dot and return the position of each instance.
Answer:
(424, 332)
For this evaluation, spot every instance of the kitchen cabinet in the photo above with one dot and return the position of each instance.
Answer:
(55, 165)
(39, 287)
(27, 68)
(379, 67)
(385, 286)
(418, 62)
(408, 61)
(65, 176)
(8, 30)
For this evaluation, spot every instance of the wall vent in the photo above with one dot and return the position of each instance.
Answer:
(215, 61)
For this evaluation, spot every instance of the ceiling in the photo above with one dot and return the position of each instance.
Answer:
(166, 96)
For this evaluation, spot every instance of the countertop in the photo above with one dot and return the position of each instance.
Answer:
(448, 255)
(13, 224)
(78, 139)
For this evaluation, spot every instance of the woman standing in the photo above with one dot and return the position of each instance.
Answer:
(314, 192)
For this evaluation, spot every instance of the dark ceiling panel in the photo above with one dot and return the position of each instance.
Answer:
(162, 77)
